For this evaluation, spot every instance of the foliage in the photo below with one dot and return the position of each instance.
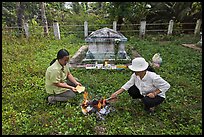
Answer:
(25, 110)
(178, 11)
(8, 13)
(107, 12)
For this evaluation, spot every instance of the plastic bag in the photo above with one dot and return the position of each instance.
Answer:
(157, 60)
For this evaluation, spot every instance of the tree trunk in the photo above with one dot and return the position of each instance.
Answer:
(44, 19)
(20, 20)
(119, 22)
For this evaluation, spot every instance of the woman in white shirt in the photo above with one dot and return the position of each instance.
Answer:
(146, 85)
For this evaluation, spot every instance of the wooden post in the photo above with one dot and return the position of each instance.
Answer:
(56, 30)
(44, 19)
(142, 28)
(199, 43)
(26, 30)
(20, 17)
(197, 28)
(85, 29)
(170, 28)
(114, 25)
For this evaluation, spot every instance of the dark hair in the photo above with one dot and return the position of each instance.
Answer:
(61, 53)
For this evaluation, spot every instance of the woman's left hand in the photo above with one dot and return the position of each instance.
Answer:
(151, 95)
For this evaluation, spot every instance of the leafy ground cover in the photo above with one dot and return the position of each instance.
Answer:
(25, 110)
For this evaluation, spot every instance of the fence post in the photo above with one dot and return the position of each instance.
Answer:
(142, 28)
(26, 28)
(114, 25)
(56, 30)
(85, 29)
(170, 28)
(197, 28)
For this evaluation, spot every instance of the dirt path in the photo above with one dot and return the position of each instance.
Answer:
(193, 46)
(135, 54)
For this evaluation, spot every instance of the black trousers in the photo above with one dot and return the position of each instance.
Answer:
(148, 102)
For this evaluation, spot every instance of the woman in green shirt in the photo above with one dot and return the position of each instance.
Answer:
(57, 78)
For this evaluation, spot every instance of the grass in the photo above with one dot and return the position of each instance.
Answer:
(25, 110)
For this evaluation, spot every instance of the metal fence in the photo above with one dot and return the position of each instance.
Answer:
(85, 29)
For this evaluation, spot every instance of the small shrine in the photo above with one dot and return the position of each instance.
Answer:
(106, 44)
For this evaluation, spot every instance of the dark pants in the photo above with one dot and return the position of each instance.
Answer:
(65, 95)
(148, 102)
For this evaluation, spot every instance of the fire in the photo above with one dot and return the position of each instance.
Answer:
(89, 105)
(85, 103)
(85, 95)
(99, 105)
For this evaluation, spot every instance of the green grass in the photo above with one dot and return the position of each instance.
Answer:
(25, 110)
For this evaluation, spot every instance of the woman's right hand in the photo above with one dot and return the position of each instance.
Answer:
(112, 98)
(114, 95)
(74, 89)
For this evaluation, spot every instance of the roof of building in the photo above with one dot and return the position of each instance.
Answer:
(105, 35)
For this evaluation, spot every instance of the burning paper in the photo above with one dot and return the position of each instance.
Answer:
(101, 107)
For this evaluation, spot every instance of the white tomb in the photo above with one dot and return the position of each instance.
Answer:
(106, 44)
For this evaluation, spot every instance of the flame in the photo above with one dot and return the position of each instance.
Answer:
(84, 110)
(85, 101)
(85, 95)
(99, 105)
(85, 104)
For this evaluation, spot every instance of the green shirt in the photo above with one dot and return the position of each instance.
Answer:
(56, 74)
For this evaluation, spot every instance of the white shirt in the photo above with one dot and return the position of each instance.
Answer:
(149, 83)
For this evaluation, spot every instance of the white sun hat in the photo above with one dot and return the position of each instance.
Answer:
(138, 64)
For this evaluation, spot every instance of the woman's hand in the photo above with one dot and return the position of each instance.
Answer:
(112, 98)
(151, 95)
(74, 89)
(114, 95)
(77, 83)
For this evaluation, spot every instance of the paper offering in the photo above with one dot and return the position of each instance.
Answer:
(80, 88)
